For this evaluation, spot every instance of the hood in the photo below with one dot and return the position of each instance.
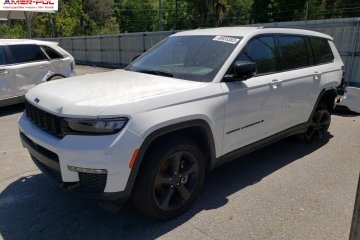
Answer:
(89, 95)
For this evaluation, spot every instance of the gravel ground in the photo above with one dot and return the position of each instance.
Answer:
(287, 190)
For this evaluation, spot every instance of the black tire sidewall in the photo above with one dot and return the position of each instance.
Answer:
(321, 106)
(143, 196)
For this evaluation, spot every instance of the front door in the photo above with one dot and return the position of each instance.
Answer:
(253, 106)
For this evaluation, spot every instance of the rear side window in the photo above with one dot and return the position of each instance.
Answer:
(51, 52)
(2, 56)
(262, 51)
(322, 51)
(26, 53)
(293, 52)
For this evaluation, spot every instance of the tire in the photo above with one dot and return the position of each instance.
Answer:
(170, 178)
(319, 124)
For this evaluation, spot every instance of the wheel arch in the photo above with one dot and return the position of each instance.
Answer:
(328, 97)
(55, 75)
(197, 130)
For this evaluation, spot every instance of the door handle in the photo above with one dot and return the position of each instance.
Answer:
(3, 72)
(275, 83)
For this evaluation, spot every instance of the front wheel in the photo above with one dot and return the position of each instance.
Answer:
(319, 124)
(170, 179)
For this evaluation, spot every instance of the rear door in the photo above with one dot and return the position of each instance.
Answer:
(301, 82)
(8, 86)
(30, 64)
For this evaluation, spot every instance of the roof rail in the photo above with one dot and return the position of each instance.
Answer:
(279, 26)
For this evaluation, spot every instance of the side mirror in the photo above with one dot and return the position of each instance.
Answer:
(244, 70)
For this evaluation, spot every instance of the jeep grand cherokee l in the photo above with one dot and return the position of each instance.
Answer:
(192, 102)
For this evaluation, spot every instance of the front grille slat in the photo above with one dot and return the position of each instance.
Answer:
(47, 122)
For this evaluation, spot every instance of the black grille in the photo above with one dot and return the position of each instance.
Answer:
(44, 120)
(93, 181)
(43, 151)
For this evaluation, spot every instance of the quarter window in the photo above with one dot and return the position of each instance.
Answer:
(2, 56)
(322, 50)
(293, 52)
(26, 53)
(262, 51)
(51, 52)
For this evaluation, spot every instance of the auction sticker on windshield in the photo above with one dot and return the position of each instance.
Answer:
(231, 40)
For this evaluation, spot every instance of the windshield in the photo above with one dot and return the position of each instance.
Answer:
(196, 58)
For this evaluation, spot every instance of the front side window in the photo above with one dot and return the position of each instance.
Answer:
(196, 58)
(2, 56)
(293, 52)
(322, 50)
(261, 51)
(26, 53)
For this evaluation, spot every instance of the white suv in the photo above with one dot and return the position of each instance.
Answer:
(26, 63)
(193, 102)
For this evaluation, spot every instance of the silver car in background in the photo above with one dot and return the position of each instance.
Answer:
(26, 63)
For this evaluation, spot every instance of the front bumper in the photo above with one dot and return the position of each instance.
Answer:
(53, 156)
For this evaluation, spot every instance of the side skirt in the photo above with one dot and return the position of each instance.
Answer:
(301, 128)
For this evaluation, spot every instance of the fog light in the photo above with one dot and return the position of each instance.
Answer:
(87, 170)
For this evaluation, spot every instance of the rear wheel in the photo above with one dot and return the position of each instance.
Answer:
(319, 124)
(170, 179)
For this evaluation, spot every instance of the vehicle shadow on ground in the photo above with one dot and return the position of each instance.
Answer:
(4, 111)
(33, 208)
(343, 112)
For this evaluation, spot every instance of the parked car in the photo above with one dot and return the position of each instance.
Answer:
(196, 100)
(26, 63)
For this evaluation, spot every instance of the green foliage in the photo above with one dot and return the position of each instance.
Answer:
(208, 12)
(15, 30)
(136, 15)
(263, 11)
(238, 12)
(91, 17)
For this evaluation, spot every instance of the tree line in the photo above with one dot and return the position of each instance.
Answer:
(93, 17)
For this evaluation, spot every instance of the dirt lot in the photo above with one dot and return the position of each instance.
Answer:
(287, 190)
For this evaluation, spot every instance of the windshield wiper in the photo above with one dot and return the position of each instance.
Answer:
(155, 72)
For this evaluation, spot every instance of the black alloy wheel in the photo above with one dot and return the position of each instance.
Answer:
(171, 176)
(176, 181)
(319, 125)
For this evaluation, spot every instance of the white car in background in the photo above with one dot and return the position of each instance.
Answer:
(26, 63)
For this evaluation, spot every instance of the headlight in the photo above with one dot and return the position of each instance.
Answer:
(95, 126)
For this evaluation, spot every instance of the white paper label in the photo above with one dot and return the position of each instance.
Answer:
(231, 40)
